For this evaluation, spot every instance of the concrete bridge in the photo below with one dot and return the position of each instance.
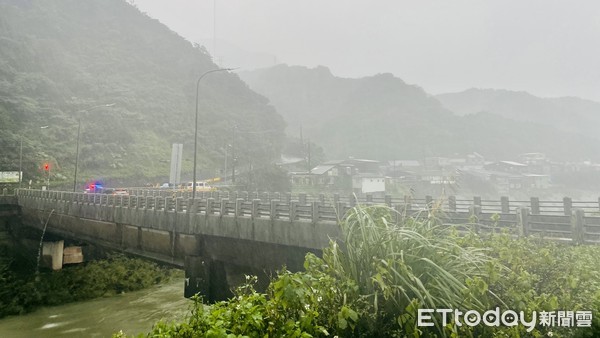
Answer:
(215, 241)
(218, 238)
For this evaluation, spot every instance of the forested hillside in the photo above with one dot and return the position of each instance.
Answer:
(133, 83)
(382, 117)
(566, 113)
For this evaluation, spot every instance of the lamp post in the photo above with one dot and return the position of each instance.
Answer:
(196, 125)
(227, 146)
(233, 159)
(21, 158)
(78, 133)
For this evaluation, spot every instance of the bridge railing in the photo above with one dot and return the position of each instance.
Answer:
(450, 203)
(178, 202)
(577, 221)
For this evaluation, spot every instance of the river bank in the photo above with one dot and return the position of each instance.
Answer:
(132, 312)
(23, 288)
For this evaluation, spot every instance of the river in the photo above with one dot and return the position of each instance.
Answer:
(133, 313)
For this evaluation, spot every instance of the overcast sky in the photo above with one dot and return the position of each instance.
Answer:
(546, 47)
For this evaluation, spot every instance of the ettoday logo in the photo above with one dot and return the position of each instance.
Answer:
(495, 317)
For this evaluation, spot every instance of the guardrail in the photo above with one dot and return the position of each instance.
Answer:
(449, 203)
(272, 208)
(566, 220)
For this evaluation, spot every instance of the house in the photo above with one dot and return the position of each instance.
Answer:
(402, 168)
(436, 162)
(475, 159)
(292, 164)
(537, 163)
(533, 158)
(438, 177)
(536, 181)
(507, 167)
(363, 166)
(338, 176)
(368, 183)
(331, 175)
(481, 181)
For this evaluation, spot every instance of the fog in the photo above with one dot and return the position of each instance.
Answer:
(410, 156)
(547, 48)
(386, 81)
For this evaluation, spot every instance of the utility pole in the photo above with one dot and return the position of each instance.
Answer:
(233, 159)
(78, 136)
(309, 165)
(225, 168)
(77, 153)
(215, 31)
(21, 162)
(48, 178)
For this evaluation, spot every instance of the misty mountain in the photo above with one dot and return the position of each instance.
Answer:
(58, 59)
(343, 114)
(232, 56)
(566, 113)
(381, 117)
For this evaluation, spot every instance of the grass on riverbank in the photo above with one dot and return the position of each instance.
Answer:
(22, 290)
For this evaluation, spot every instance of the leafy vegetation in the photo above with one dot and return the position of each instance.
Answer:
(544, 276)
(373, 284)
(264, 177)
(61, 61)
(22, 290)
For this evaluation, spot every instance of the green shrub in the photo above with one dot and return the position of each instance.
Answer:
(373, 283)
(543, 276)
(21, 293)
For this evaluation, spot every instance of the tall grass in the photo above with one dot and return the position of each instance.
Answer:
(402, 267)
(369, 284)
(372, 282)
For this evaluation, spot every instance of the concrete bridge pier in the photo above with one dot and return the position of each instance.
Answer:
(215, 280)
(206, 277)
(197, 276)
(52, 254)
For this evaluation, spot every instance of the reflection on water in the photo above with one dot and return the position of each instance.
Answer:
(133, 313)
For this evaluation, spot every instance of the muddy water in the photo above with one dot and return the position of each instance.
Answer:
(133, 313)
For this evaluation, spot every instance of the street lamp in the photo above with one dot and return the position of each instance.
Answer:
(21, 158)
(196, 125)
(227, 146)
(78, 133)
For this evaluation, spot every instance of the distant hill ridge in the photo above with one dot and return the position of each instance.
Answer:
(382, 117)
(565, 113)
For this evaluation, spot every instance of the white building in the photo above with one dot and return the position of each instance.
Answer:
(368, 183)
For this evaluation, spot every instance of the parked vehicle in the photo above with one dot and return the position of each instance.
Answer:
(98, 189)
(120, 191)
(94, 188)
(200, 186)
